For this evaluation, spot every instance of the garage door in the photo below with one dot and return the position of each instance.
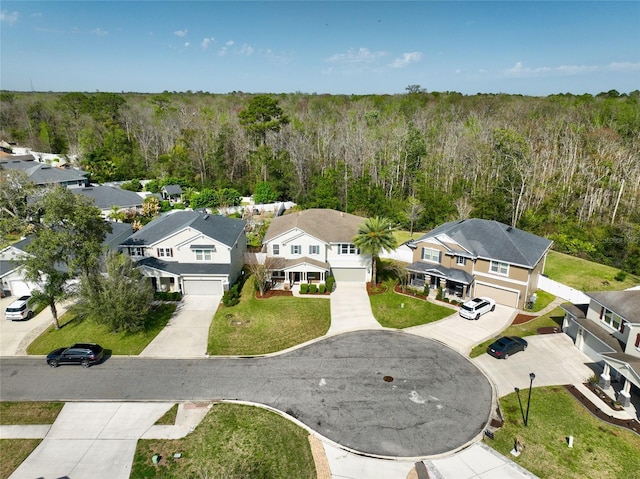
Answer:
(349, 274)
(500, 296)
(202, 286)
(19, 288)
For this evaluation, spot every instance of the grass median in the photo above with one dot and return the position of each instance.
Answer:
(599, 450)
(261, 326)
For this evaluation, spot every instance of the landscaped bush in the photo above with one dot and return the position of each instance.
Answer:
(178, 206)
(232, 296)
(331, 281)
(167, 295)
(313, 288)
(304, 288)
(439, 294)
(165, 206)
(322, 288)
(620, 276)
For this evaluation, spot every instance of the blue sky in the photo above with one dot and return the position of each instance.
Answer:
(360, 47)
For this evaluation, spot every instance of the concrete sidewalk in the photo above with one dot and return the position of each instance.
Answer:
(351, 309)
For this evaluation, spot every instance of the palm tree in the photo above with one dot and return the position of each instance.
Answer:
(375, 236)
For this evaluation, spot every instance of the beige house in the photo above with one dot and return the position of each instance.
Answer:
(477, 257)
(308, 245)
(608, 331)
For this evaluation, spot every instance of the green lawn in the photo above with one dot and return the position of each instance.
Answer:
(74, 330)
(585, 275)
(14, 451)
(393, 310)
(232, 441)
(600, 451)
(404, 236)
(544, 300)
(552, 318)
(261, 326)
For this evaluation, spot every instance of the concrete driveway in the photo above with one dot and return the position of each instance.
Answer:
(15, 336)
(91, 440)
(187, 333)
(351, 309)
(551, 357)
(463, 334)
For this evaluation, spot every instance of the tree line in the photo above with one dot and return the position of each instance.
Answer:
(563, 166)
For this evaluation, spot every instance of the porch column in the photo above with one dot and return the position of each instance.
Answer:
(605, 377)
(625, 395)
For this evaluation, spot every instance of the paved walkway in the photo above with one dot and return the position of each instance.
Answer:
(351, 309)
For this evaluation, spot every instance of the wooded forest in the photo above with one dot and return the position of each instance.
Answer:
(564, 166)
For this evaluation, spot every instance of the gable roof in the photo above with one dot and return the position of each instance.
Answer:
(105, 197)
(623, 303)
(494, 240)
(221, 228)
(172, 189)
(330, 226)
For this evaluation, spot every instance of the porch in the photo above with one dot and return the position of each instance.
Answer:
(454, 283)
(296, 272)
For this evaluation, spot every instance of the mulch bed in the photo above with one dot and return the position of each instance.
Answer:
(631, 424)
(271, 293)
(376, 288)
(523, 318)
(398, 289)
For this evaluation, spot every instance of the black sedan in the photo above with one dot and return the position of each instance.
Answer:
(80, 353)
(505, 346)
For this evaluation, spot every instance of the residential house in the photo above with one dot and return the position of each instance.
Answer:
(189, 251)
(172, 193)
(42, 174)
(12, 276)
(476, 257)
(107, 197)
(607, 329)
(311, 244)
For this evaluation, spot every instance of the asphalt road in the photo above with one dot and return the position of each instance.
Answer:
(433, 400)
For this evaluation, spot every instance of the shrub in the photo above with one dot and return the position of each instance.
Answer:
(331, 281)
(304, 288)
(322, 288)
(313, 288)
(620, 276)
(425, 291)
(439, 294)
(165, 205)
(167, 295)
(232, 296)
(178, 206)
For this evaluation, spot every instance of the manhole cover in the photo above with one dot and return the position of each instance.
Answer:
(388, 379)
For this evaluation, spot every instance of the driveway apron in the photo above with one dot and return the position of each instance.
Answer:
(187, 333)
(351, 309)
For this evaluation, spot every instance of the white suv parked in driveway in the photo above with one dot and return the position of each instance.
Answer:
(21, 308)
(476, 307)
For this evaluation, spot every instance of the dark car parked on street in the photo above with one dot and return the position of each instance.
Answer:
(505, 346)
(80, 353)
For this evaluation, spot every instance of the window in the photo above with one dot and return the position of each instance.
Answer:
(165, 252)
(347, 248)
(430, 254)
(461, 260)
(203, 254)
(296, 249)
(314, 249)
(276, 249)
(499, 268)
(136, 251)
(610, 318)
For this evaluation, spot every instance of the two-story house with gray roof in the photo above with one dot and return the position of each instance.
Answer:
(311, 244)
(476, 257)
(607, 329)
(189, 251)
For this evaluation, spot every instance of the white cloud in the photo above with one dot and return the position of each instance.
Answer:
(406, 59)
(99, 32)
(361, 55)
(229, 43)
(187, 44)
(222, 51)
(246, 50)
(181, 33)
(207, 42)
(519, 70)
(9, 17)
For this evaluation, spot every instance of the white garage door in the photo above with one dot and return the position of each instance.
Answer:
(19, 288)
(349, 274)
(500, 296)
(202, 286)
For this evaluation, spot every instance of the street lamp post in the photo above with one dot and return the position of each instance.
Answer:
(531, 378)
(520, 402)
